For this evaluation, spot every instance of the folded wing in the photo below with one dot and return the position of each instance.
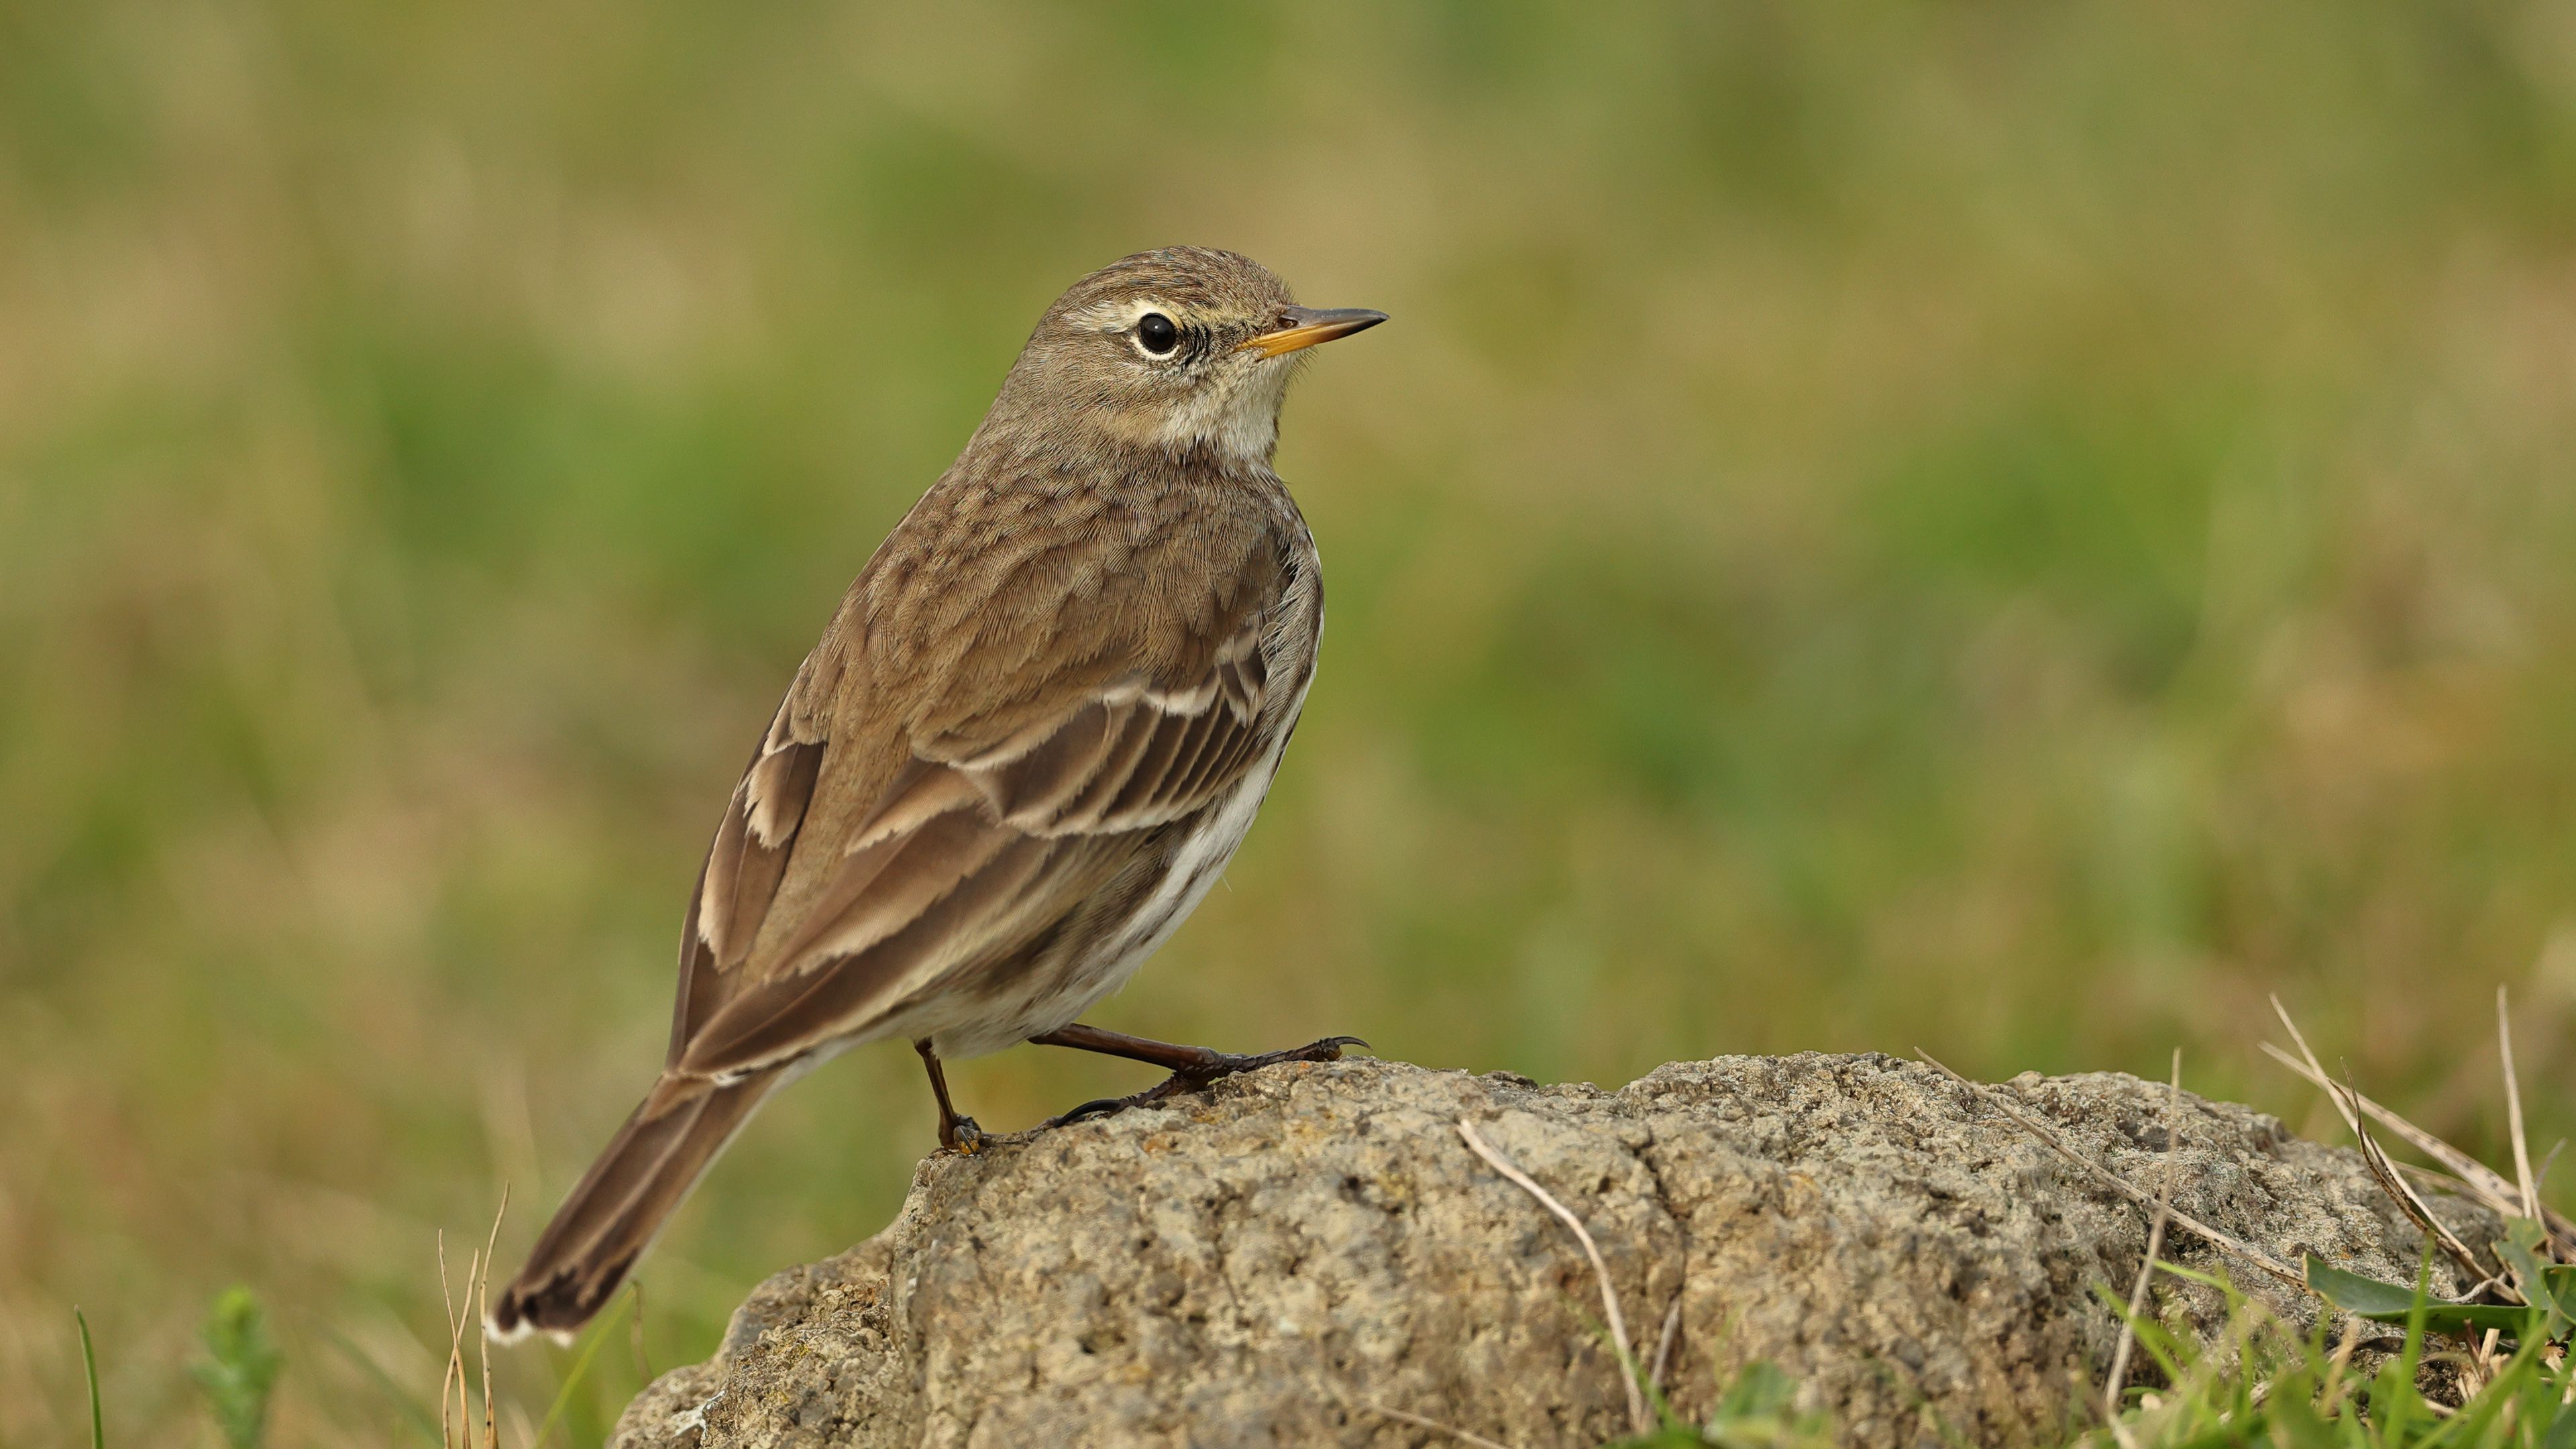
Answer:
(980, 847)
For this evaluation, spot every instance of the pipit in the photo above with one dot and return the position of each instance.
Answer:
(1031, 738)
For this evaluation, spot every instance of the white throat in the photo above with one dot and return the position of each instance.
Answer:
(1238, 417)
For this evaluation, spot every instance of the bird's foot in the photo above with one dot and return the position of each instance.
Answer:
(961, 1135)
(1199, 1075)
(957, 1133)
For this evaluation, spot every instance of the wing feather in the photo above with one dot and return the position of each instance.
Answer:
(1133, 731)
(1166, 735)
(787, 1016)
(745, 864)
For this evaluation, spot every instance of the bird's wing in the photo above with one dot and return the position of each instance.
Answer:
(996, 826)
(763, 824)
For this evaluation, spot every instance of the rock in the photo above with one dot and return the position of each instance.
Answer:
(1265, 1263)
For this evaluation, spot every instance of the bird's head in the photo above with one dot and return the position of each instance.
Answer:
(1181, 349)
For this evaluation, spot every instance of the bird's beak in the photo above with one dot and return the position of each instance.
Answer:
(1307, 326)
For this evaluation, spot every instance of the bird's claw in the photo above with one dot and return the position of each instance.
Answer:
(1096, 1107)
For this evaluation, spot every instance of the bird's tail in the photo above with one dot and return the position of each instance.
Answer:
(620, 1205)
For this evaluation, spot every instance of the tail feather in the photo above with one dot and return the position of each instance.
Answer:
(612, 1216)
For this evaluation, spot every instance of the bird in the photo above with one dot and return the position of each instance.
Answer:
(1035, 731)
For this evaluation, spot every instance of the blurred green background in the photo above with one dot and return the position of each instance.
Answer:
(2014, 528)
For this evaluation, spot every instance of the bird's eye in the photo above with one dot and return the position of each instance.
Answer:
(1157, 334)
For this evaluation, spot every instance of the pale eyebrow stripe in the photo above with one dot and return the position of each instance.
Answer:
(1103, 315)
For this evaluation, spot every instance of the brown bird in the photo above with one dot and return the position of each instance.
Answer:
(1030, 740)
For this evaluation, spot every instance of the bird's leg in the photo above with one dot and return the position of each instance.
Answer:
(957, 1134)
(1192, 1068)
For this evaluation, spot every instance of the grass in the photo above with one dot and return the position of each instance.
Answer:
(2017, 528)
(89, 1379)
(2260, 1381)
(2264, 1382)
(593, 1338)
(240, 1370)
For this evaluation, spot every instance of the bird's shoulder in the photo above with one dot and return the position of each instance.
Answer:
(1006, 597)
(1007, 602)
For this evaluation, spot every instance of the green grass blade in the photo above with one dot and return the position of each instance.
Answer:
(241, 1368)
(421, 1418)
(2562, 1430)
(2389, 1303)
(89, 1370)
(580, 1366)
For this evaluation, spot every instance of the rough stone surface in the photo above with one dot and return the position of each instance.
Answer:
(1260, 1265)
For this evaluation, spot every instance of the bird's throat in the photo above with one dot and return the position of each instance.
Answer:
(1236, 419)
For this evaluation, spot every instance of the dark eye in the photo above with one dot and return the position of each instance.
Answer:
(1156, 334)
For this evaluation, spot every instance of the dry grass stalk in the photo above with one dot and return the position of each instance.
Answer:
(1419, 1422)
(2483, 1184)
(2119, 1378)
(1664, 1345)
(2513, 1110)
(455, 1389)
(634, 1327)
(1638, 1417)
(2410, 1201)
(483, 1334)
(2490, 1188)
(448, 1387)
(2215, 1238)
(2478, 1367)
(2487, 1187)
(2337, 1366)
(2347, 1100)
